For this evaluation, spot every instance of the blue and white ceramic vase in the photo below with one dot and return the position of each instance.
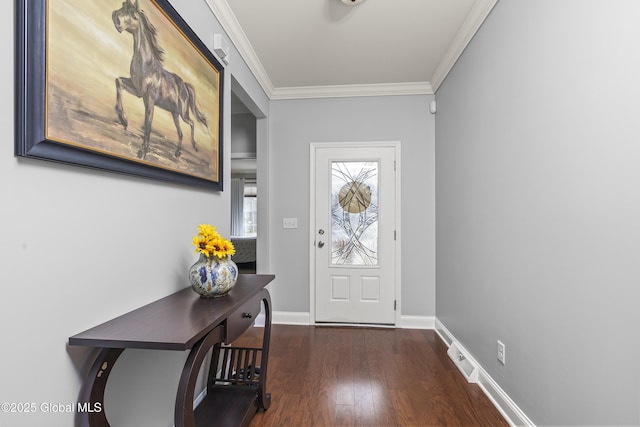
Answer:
(213, 277)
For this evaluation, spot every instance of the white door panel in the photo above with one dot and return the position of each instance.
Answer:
(355, 234)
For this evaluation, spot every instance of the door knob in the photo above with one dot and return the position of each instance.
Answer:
(320, 244)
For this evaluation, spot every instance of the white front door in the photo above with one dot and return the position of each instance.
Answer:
(354, 233)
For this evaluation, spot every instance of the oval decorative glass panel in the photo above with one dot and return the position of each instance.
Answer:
(355, 197)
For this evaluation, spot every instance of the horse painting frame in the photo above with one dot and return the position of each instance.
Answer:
(82, 98)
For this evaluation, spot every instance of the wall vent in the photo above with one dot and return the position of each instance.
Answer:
(463, 362)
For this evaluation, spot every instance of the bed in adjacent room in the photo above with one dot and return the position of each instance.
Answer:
(245, 250)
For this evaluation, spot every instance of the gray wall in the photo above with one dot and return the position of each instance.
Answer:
(538, 206)
(294, 124)
(79, 247)
(243, 134)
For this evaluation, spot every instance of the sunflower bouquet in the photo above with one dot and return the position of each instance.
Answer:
(210, 243)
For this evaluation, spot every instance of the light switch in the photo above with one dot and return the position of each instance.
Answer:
(289, 222)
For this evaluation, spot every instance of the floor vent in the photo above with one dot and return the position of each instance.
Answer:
(463, 362)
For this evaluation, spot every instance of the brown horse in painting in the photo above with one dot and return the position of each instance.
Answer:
(150, 81)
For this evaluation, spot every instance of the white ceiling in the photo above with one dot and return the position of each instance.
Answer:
(319, 48)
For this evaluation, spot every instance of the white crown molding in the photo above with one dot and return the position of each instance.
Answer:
(230, 24)
(341, 91)
(473, 21)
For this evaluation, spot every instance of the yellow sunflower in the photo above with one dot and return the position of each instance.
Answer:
(210, 243)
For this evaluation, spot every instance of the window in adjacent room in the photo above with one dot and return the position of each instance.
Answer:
(250, 209)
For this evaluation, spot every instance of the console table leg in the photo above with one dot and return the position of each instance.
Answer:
(184, 416)
(92, 413)
(264, 398)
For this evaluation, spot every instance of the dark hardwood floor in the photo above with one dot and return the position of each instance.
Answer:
(340, 376)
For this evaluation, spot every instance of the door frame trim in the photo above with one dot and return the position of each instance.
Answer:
(313, 147)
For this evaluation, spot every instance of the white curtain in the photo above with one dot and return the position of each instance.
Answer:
(237, 207)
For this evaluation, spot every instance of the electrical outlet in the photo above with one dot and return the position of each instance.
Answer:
(501, 352)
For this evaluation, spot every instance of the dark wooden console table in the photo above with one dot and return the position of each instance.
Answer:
(236, 386)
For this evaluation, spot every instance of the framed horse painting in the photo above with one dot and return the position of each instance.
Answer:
(124, 86)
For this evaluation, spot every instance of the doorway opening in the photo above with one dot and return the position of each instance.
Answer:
(244, 182)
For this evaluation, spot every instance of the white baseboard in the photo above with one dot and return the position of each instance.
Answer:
(291, 318)
(303, 318)
(507, 407)
(259, 322)
(416, 322)
(199, 398)
(284, 318)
